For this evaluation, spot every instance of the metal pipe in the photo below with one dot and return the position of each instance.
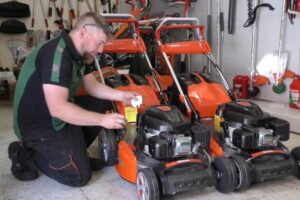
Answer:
(96, 59)
(253, 48)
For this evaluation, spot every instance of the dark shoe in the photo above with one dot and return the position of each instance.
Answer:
(20, 171)
(96, 164)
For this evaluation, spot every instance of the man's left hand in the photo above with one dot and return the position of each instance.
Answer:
(128, 96)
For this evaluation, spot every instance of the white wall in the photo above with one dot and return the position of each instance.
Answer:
(236, 51)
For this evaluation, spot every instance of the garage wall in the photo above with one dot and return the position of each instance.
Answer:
(236, 51)
(236, 48)
(6, 58)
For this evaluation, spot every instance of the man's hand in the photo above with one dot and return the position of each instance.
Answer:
(113, 121)
(128, 96)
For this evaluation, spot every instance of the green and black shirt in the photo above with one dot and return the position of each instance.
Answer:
(55, 62)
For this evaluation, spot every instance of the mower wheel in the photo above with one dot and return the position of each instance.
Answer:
(226, 174)
(147, 185)
(243, 172)
(108, 146)
(296, 155)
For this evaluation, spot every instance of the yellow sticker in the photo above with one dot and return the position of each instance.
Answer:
(131, 114)
(217, 120)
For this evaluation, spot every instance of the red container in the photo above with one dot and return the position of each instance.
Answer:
(241, 86)
(297, 6)
(295, 93)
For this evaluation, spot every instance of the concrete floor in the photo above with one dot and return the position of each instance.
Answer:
(106, 184)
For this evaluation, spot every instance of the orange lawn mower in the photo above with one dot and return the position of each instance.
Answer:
(160, 150)
(249, 137)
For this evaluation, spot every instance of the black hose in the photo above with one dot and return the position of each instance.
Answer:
(231, 16)
(252, 15)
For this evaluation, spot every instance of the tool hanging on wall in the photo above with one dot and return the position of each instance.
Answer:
(30, 38)
(59, 11)
(115, 8)
(231, 16)
(50, 8)
(60, 23)
(62, 5)
(44, 14)
(13, 26)
(14, 9)
(252, 20)
(292, 9)
(109, 6)
(71, 14)
(79, 5)
(17, 48)
(96, 6)
(56, 8)
(103, 3)
(209, 32)
(53, 4)
(33, 14)
(220, 31)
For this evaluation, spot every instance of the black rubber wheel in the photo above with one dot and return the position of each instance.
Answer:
(296, 155)
(108, 146)
(226, 174)
(243, 173)
(147, 185)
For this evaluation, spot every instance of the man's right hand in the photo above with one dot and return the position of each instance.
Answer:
(113, 121)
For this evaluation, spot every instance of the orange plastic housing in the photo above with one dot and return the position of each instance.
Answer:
(206, 97)
(186, 47)
(214, 148)
(146, 91)
(127, 165)
(125, 46)
(164, 80)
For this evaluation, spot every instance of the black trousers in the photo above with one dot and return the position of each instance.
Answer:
(62, 155)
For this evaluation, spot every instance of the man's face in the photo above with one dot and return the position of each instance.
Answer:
(94, 40)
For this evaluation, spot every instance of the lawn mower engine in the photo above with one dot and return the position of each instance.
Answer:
(256, 136)
(174, 148)
(250, 129)
(169, 134)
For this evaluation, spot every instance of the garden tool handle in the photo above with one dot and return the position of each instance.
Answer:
(50, 8)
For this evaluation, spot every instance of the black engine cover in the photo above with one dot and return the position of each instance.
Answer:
(281, 128)
(159, 147)
(243, 112)
(164, 119)
(244, 139)
(201, 134)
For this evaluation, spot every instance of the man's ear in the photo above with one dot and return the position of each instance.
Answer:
(82, 32)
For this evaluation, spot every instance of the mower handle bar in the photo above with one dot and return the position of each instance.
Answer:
(123, 20)
(180, 23)
(178, 20)
(117, 16)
